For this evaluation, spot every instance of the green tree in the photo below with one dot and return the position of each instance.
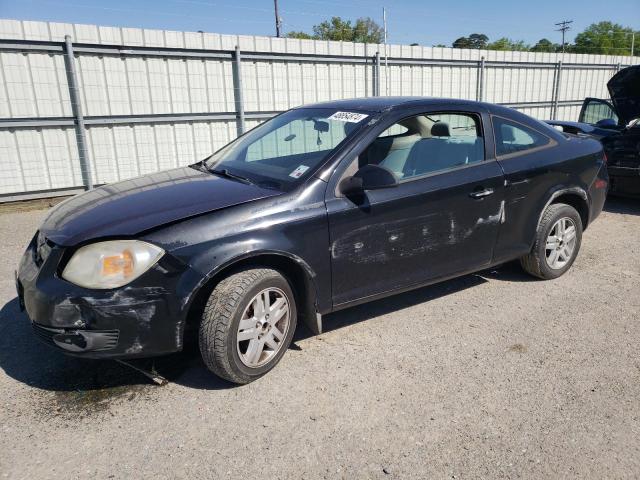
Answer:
(475, 40)
(365, 30)
(605, 38)
(478, 40)
(301, 35)
(505, 43)
(462, 42)
(545, 45)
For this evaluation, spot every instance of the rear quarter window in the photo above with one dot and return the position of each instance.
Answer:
(512, 137)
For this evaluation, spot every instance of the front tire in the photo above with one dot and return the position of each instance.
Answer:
(557, 243)
(247, 324)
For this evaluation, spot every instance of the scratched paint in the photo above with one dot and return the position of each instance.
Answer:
(406, 238)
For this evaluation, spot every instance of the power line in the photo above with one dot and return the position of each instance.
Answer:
(564, 27)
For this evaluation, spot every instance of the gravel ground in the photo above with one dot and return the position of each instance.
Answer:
(493, 375)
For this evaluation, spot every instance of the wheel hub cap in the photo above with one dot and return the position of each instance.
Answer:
(263, 327)
(561, 243)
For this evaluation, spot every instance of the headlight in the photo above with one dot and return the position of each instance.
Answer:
(111, 264)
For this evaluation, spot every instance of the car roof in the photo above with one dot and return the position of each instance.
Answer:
(383, 104)
(380, 104)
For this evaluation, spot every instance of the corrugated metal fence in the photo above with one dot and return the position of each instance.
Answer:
(113, 103)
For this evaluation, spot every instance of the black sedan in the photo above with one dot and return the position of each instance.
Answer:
(617, 125)
(320, 208)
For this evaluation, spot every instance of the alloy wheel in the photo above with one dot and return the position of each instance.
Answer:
(263, 327)
(561, 243)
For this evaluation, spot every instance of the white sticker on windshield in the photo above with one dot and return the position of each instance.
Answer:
(297, 173)
(351, 117)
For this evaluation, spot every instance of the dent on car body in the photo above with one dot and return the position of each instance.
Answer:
(406, 237)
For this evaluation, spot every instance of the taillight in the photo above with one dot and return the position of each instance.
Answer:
(600, 183)
(604, 157)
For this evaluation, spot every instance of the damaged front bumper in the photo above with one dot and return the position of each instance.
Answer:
(144, 318)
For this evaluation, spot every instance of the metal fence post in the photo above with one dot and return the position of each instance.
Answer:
(480, 83)
(76, 108)
(376, 75)
(238, 93)
(556, 91)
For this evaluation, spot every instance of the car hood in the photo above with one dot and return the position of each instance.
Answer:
(624, 88)
(132, 206)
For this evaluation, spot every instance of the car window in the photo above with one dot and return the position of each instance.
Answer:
(427, 144)
(393, 130)
(287, 148)
(595, 111)
(514, 137)
(298, 137)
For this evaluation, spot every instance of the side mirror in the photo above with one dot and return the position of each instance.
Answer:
(351, 186)
(369, 177)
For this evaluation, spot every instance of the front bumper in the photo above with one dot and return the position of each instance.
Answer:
(625, 181)
(144, 318)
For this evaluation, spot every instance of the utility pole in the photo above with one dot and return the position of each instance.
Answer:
(564, 27)
(278, 19)
(633, 40)
(386, 56)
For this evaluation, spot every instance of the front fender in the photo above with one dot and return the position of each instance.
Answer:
(290, 227)
(280, 260)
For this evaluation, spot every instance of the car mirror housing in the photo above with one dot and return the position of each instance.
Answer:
(350, 186)
(375, 177)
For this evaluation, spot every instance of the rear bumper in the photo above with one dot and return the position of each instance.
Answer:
(145, 318)
(625, 181)
(598, 193)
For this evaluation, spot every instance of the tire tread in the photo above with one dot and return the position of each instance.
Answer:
(532, 262)
(218, 316)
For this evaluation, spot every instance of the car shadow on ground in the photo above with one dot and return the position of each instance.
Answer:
(627, 206)
(27, 360)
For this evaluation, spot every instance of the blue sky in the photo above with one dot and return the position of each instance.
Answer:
(425, 22)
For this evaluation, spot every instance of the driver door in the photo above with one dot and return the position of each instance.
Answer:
(442, 218)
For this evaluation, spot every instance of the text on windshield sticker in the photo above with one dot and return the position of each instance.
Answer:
(351, 117)
(297, 173)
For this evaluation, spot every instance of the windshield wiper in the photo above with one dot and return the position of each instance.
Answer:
(226, 173)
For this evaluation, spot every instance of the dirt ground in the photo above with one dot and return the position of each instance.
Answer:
(493, 375)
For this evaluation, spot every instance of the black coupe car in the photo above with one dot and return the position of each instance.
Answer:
(617, 125)
(320, 208)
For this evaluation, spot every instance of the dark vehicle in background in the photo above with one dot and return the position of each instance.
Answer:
(318, 209)
(617, 125)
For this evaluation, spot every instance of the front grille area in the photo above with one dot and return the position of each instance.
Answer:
(45, 334)
(78, 340)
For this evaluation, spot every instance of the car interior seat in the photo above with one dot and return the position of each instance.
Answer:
(430, 154)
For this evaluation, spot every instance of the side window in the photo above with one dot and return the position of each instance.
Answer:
(427, 143)
(394, 130)
(595, 110)
(514, 137)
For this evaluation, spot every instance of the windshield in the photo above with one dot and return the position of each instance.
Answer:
(288, 148)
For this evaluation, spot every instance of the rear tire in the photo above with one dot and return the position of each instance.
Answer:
(247, 324)
(557, 242)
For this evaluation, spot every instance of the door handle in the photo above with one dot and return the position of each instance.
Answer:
(481, 193)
